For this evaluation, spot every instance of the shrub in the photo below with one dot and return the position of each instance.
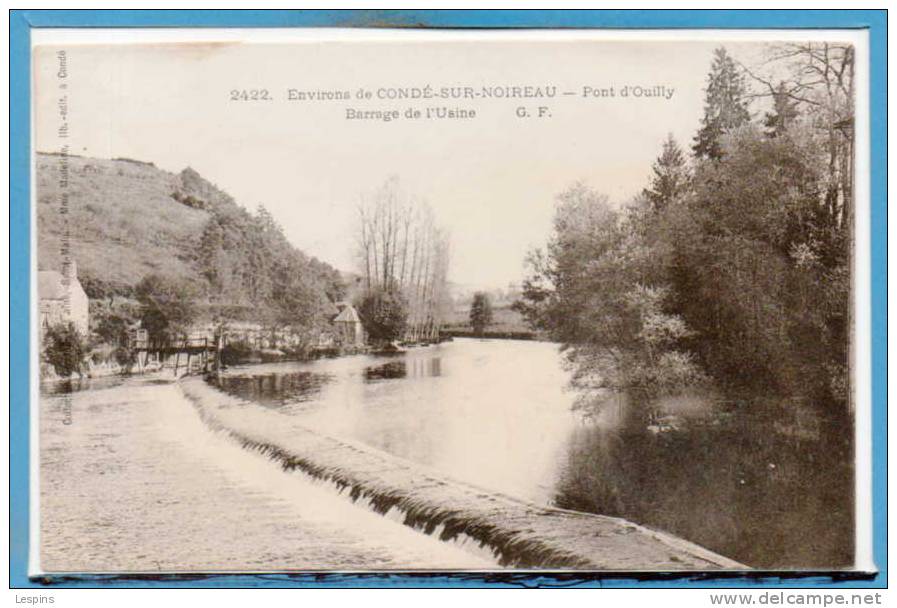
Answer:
(384, 314)
(236, 352)
(65, 349)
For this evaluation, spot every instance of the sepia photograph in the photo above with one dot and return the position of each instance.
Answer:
(333, 301)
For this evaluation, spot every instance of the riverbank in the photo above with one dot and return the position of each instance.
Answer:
(51, 382)
(492, 334)
(519, 533)
(132, 481)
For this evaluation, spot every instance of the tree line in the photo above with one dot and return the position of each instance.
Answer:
(249, 272)
(732, 266)
(248, 262)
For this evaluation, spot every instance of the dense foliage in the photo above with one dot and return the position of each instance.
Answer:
(167, 307)
(247, 260)
(65, 349)
(384, 314)
(111, 327)
(236, 352)
(732, 266)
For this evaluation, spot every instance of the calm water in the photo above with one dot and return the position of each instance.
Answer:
(770, 485)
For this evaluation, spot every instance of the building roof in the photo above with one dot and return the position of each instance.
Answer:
(50, 285)
(347, 315)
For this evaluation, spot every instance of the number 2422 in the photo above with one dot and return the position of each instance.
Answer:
(250, 95)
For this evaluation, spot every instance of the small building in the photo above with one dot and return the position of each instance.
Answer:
(138, 338)
(62, 299)
(349, 329)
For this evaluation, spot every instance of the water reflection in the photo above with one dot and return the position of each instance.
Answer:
(276, 389)
(388, 371)
(767, 484)
(402, 367)
(759, 482)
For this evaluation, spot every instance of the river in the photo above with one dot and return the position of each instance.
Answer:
(765, 483)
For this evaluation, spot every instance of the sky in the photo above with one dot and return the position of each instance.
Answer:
(491, 180)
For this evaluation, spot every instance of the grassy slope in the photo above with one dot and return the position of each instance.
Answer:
(122, 220)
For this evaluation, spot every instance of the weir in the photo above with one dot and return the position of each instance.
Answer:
(518, 533)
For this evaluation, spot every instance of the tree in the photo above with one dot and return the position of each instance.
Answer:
(65, 349)
(384, 314)
(400, 248)
(822, 83)
(725, 106)
(595, 290)
(480, 312)
(112, 328)
(783, 114)
(820, 87)
(168, 306)
(266, 221)
(755, 273)
(670, 178)
(211, 257)
(330, 278)
(745, 279)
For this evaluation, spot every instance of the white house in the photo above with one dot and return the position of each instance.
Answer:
(62, 299)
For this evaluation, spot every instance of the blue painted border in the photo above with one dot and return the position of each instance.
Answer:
(19, 255)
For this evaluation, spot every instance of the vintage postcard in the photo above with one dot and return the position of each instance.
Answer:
(450, 301)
